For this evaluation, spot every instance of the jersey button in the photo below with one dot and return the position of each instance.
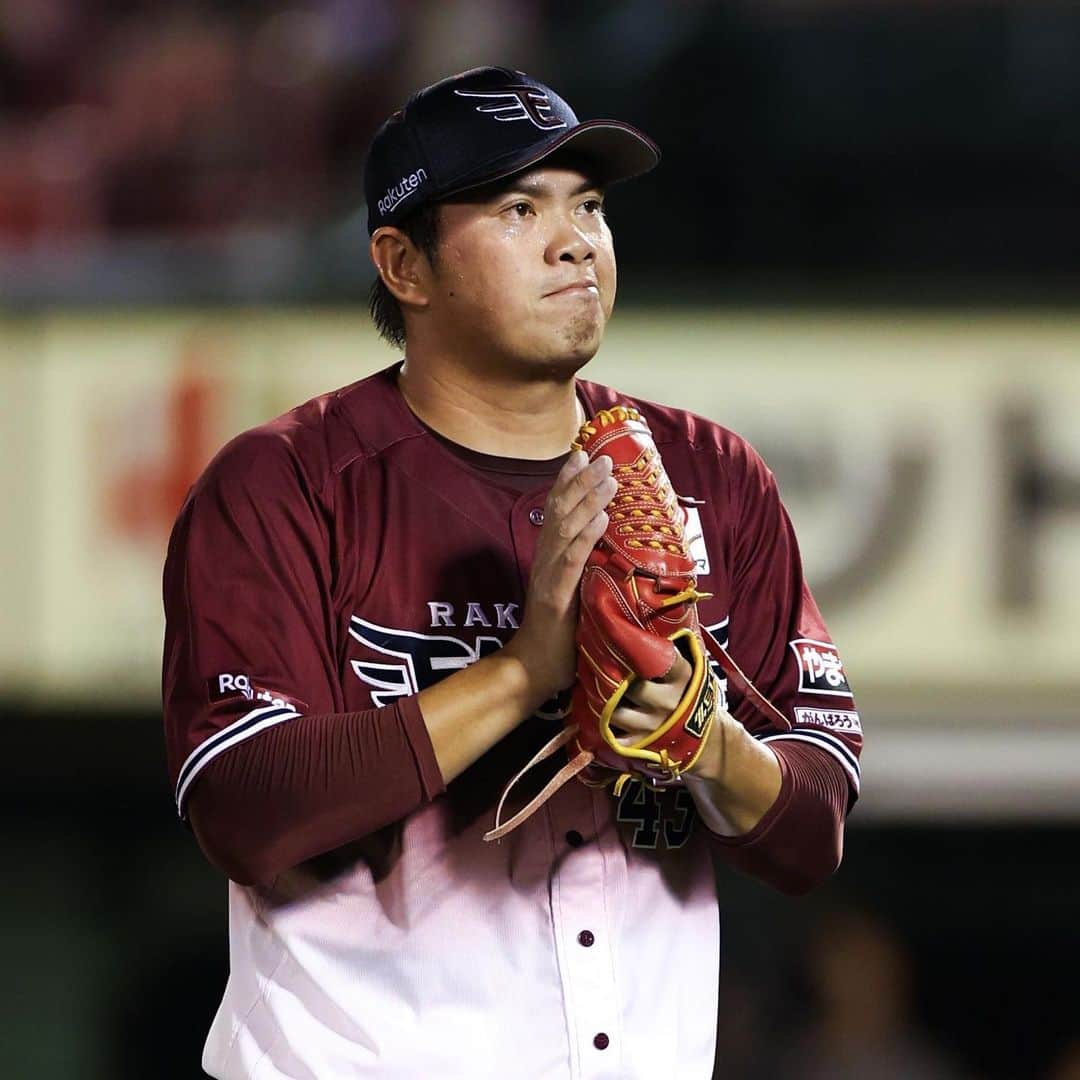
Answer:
(586, 938)
(536, 516)
(600, 1041)
(574, 838)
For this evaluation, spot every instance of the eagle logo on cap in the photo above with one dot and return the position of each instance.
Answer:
(517, 102)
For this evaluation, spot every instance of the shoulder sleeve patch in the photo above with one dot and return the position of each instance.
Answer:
(834, 719)
(820, 668)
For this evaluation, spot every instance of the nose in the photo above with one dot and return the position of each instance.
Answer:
(570, 244)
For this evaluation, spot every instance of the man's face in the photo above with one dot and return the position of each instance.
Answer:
(525, 273)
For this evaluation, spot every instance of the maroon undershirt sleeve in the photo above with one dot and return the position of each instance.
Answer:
(318, 782)
(799, 841)
(310, 785)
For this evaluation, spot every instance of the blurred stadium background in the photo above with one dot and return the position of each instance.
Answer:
(862, 251)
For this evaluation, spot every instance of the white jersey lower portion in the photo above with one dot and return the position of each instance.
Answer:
(454, 958)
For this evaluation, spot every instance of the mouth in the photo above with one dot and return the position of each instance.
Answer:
(576, 288)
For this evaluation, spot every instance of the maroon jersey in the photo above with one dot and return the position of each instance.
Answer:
(342, 557)
(326, 568)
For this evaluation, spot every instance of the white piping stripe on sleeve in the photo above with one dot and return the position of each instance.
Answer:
(828, 737)
(226, 732)
(829, 741)
(830, 746)
(249, 724)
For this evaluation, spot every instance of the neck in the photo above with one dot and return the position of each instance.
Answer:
(534, 419)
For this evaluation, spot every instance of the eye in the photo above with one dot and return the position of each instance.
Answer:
(593, 206)
(520, 209)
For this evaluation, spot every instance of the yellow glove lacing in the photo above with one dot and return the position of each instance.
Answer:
(644, 510)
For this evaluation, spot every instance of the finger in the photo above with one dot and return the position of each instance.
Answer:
(565, 567)
(586, 510)
(577, 461)
(665, 692)
(631, 721)
(568, 491)
(577, 550)
(658, 698)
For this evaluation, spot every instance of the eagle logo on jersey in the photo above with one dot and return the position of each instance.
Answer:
(421, 660)
(517, 102)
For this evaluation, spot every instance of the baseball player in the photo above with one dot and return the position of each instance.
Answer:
(371, 606)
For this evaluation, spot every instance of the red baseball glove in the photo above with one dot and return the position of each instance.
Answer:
(638, 605)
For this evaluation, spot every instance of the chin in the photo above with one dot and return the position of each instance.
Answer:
(559, 351)
(562, 365)
(580, 341)
(578, 349)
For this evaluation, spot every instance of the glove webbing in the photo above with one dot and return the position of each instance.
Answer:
(585, 758)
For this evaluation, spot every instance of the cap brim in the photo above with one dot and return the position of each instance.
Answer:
(616, 150)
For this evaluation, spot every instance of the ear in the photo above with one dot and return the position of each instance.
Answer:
(403, 267)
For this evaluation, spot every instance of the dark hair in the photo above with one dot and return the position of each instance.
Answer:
(422, 228)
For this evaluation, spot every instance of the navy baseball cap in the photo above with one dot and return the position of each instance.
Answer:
(483, 125)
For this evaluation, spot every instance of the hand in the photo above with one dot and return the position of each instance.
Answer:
(574, 520)
(647, 703)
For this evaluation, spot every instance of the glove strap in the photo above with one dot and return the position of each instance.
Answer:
(685, 731)
(567, 772)
(742, 683)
